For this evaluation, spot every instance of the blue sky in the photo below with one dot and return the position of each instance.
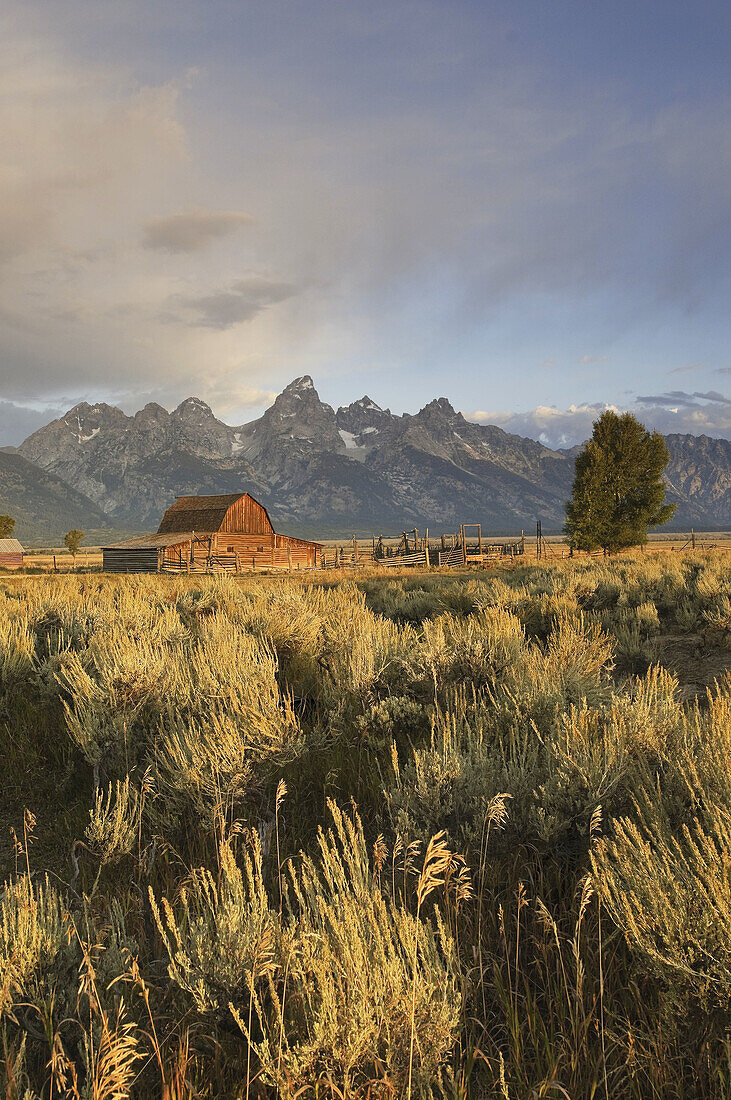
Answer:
(522, 206)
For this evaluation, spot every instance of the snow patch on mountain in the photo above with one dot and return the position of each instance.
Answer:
(348, 439)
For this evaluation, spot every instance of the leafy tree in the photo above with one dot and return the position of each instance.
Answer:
(73, 540)
(618, 489)
(7, 526)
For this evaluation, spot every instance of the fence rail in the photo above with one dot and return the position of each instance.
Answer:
(419, 557)
(216, 563)
(452, 558)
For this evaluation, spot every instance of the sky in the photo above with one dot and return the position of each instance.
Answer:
(521, 205)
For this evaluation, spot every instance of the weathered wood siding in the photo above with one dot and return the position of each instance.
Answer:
(283, 558)
(210, 534)
(241, 542)
(11, 561)
(130, 561)
(264, 544)
(247, 516)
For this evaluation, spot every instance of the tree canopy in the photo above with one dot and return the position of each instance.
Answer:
(618, 489)
(7, 526)
(73, 540)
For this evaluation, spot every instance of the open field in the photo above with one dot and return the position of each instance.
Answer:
(328, 835)
(555, 546)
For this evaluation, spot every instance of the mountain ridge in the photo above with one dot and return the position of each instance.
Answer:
(42, 504)
(331, 472)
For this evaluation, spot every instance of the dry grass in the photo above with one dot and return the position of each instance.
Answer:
(402, 836)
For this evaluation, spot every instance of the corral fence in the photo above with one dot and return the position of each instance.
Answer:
(465, 547)
(215, 563)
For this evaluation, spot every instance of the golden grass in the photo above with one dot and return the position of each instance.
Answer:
(419, 835)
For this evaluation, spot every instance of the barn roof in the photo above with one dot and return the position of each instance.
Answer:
(198, 513)
(158, 541)
(10, 546)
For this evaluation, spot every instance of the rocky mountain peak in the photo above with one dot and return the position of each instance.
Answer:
(193, 427)
(440, 406)
(360, 467)
(193, 409)
(363, 418)
(152, 411)
(298, 420)
(297, 385)
(84, 422)
(298, 394)
(100, 412)
(298, 401)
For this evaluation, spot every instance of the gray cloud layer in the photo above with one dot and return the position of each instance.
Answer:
(17, 422)
(675, 412)
(419, 193)
(192, 230)
(240, 303)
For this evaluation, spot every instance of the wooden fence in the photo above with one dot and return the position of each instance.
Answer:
(216, 563)
(412, 550)
(452, 558)
(417, 557)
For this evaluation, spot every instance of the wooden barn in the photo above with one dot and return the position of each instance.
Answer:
(11, 554)
(212, 534)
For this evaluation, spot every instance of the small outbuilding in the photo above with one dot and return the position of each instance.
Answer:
(11, 554)
(211, 534)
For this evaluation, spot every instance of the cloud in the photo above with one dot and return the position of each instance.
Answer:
(241, 302)
(690, 368)
(17, 421)
(697, 414)
(687, 400)
(591, 360)
(192, 230)
(549, 425)
(75, 141)
(238, 404)
(449, 192)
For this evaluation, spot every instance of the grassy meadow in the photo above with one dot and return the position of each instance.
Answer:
(370, 836)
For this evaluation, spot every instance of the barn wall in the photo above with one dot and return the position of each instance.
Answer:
(299, 558)
(182, 550)
(242, 561)
(11, 561)
(291, 541)
(246, 515)
(245, 543)
(267, 550)
(129, 561)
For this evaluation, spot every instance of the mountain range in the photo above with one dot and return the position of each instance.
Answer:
(44, 506)
(322, 471)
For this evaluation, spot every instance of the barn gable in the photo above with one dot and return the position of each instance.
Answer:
(212, 534)
(235, 512)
